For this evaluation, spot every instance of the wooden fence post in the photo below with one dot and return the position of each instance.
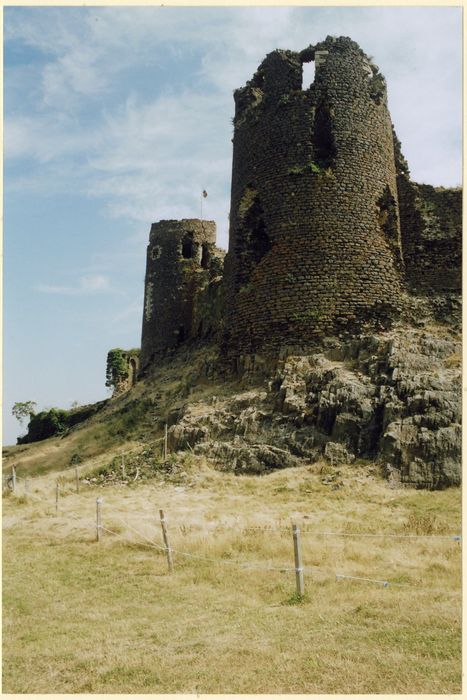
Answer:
(123, 466)
(13, 479)
(298, 561)
(165, 441)
(99, 518)
(57, 491)
(26, 487)
(166, 541)
(77, 479)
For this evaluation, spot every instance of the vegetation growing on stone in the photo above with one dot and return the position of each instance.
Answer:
(329, 238)
(313, 381)
(117, 368)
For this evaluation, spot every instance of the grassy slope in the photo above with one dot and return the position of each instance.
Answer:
(136, 417)
(86, 617)
(81, 617)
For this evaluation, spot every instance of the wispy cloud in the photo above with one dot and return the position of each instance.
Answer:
(146, 154)
(152, 145)
(46, 138)
(87, 284)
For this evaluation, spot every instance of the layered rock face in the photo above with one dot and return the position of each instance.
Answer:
(393, 397)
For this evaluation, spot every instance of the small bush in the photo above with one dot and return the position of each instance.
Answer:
(296, 599)
(423, 524)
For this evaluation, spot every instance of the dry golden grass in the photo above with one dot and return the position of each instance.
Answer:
(454, 360)
(82, 617)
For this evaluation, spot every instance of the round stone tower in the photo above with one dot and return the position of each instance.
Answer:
(179, 261)
(314, 241)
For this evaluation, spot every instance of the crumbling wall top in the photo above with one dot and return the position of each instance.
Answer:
(203, 231)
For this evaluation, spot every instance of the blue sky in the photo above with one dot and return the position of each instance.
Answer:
(118, 117)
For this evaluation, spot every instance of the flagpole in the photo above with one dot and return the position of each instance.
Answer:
(203, 195)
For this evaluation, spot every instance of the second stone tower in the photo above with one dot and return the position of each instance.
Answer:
(181, 263)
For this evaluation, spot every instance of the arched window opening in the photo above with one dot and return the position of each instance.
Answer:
(387, 214)
(188, 246)
(205, 256)
(258, 240)
(388, 221)
(252, 240)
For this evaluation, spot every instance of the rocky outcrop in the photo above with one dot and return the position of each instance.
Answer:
(393, 397)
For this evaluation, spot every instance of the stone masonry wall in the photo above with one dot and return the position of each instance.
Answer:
(431, 222)
(132, 361)
(314, 229)
(182, 261)
(431, 232)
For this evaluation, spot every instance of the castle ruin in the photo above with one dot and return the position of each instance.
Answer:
(331, 245)
(327, 231)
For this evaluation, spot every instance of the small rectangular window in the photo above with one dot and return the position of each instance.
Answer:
(308, 74)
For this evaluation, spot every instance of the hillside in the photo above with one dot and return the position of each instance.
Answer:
(381, 611)
(392, 397)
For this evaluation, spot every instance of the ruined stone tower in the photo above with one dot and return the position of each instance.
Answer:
(315, 240)
(328, 234)
(181, 261)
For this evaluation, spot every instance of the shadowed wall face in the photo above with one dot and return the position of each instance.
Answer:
(181, 261)
(431, 223)
(315, 241)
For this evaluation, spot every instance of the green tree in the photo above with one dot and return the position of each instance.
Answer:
(24, 409)
(47, 424)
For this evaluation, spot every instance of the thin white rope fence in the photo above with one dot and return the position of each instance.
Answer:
(386, 583)
(305, 527)
(284, 569)
(306, 532)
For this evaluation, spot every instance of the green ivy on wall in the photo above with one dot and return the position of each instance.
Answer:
(117, 367)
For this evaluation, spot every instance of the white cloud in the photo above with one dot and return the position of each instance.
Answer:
(45, 137)
(147, 157)
(87, 284)
(76, 72)
(71, 128)
(156, 158)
